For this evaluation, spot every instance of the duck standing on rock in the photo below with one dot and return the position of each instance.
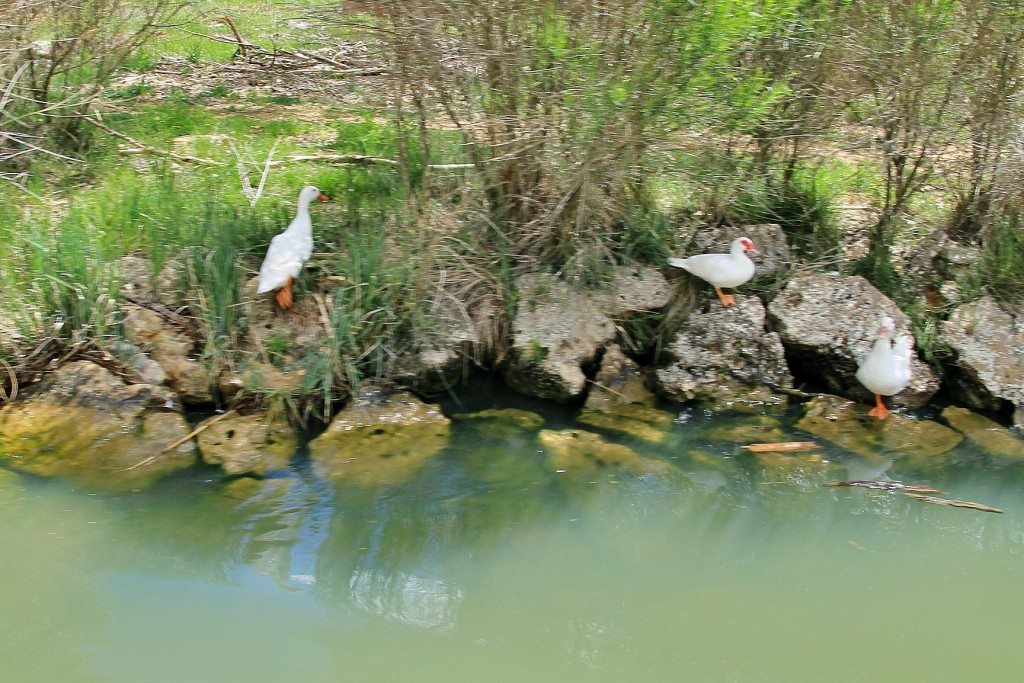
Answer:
(885, 371)
(289, 251)
(722, 270)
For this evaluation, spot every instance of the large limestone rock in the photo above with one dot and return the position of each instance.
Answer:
(380, 440)
(556, 333)
(172, 350)
(848, 425)
(559, 334)
(828, 322)
(246, 444)
(989, 345)
(86, 424)
(723, 352)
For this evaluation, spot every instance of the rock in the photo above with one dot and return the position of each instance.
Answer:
(988, 343)
(247, 444)
(585, 453)
(173, 351)
(619, 401)
(556, 333)
(1018, 417)
(286, 333)
(138, 280)
(935, 265)
(633, 289)
(990, 436)
(559, 334)
(828, 322)
(445, 358)
(84, 423)
(380, 440)
(723, 352)
(847, 424)
(773, 258)
(522, 419)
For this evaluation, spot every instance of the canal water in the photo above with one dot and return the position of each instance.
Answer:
(491, 561)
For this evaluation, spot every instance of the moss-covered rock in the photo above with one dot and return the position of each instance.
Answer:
(247, 444)
(580, 452)
(848, 425)
(523, 419)
(86, 424)
(619, 401)
(380, 440)
(990, 436)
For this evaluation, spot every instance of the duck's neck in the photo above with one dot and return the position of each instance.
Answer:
(302, 224)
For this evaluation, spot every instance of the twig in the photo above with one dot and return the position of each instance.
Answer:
(340, 158)
(180, 441)
(187, 158)
(780, 447)
(14, 382)
(886, 486)
(610, 390)
(954, 503)
(238, 36)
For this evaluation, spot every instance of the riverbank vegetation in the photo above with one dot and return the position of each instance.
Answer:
(463, 143)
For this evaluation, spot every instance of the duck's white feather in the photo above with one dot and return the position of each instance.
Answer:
(721, 270)
(290, 250)
(886, 368)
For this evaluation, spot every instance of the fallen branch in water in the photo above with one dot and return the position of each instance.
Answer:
(180, 441)
(780, 447)
(954, 503)
(886, 486)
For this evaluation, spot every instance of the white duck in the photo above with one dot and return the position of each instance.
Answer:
(885, 371)
(722, 270)
(289, 251)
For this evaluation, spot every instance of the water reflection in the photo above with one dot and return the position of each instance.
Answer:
(492, 557)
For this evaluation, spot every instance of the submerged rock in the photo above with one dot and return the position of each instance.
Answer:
(521, 419)
(619, 401)
(380, 440)
(828, 322)
(848, 425)
(990, 436)
(724, 352)
(989, 345)
(579, 452)
(86, 424)
(246, 444)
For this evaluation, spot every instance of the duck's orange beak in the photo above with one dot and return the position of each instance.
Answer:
(323, 198)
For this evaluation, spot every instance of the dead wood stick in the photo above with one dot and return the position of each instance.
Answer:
(885, 486)
(954, 503)
(238, 36)
(180, 441)
(319, 58)
(780, 447)
(610, 390)
(340, 158)
(187, 158)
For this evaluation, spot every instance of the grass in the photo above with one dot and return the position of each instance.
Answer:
(384, 249)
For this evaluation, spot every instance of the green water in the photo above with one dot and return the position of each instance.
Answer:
(486, 564)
